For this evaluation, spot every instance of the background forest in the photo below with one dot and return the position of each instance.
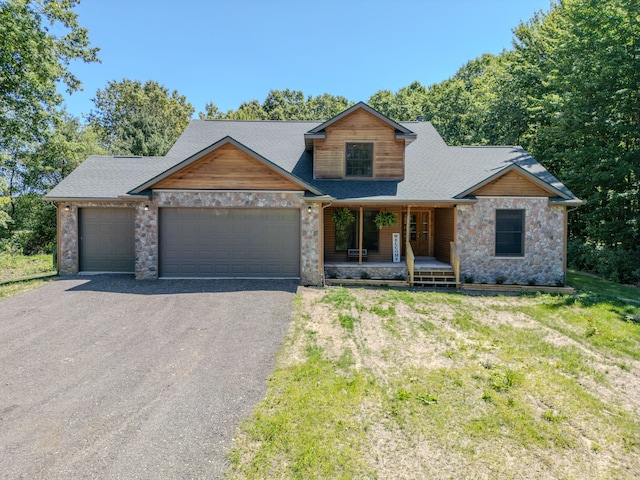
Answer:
(568, 92)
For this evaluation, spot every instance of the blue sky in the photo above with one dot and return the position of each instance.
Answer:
(237, 50)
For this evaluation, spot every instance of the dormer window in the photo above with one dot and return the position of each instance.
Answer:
(359, 160)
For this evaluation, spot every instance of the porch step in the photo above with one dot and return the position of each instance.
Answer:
(435, 278)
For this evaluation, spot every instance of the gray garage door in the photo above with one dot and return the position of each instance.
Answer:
(229, 243)
(107, 240)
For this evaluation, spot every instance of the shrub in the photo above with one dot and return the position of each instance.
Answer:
(615, 264)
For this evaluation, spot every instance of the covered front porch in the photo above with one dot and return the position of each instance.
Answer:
(418, 248)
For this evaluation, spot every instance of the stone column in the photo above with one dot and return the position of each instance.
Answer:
(69, 260)
(146, 237)
(310, 244)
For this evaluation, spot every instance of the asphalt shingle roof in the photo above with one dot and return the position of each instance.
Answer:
(433, 170)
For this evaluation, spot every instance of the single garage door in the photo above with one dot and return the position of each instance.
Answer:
(229, 243)
(107, 240)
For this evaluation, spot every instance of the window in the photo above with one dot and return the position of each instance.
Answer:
(347, 237)
(359, 160)
(509, 233)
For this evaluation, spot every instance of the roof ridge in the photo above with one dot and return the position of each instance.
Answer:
(248, 121)
(487, 146)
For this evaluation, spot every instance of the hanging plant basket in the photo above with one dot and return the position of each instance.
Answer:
(385, 219)
(343, 217)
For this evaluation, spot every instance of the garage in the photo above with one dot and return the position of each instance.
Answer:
(229, 243)
(107, 240)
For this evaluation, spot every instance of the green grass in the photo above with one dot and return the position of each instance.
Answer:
(592, 286)
(306, 428)
(450, 386)
(19, 273)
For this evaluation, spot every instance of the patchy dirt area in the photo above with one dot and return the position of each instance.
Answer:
(483, 387)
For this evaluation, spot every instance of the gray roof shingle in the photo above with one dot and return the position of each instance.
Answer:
(433, 171)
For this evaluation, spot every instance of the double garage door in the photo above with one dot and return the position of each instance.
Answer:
(197, 242)
(234, 243)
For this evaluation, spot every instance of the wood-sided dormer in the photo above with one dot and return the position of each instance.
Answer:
(359, 144)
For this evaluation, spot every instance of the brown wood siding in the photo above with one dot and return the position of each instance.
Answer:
(385, 242)
(359, 126)
(512, 184)
(228, 168)
(444, 233)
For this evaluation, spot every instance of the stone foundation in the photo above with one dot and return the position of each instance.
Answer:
(366, 271)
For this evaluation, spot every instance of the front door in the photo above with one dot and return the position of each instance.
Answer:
(419, 233)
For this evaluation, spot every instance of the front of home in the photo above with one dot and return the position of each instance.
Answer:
(291, 199)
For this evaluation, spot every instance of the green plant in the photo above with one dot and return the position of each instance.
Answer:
(501, 279)
(468, 279)
(592, 328)
(365, 275)
(347, 321)
(343, 217)
(385, 219)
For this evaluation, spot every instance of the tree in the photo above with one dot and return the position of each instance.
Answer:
(131, 118)
(66, 147)
(33, 60)
(282, 105)
(580, 68)
(38, 40)
(25, 219)
(211, 112)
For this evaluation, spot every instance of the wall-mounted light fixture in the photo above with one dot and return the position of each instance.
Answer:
(67, 207)
(146, 207)
(309, 209)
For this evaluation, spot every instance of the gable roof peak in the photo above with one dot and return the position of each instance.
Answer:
(402, 132)
(362, 106)
(226, 140)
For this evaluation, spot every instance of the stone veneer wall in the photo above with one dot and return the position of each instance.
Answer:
(146, 226)
(543, 261)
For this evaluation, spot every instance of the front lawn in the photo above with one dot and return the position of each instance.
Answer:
(401, 384)
(19, 273)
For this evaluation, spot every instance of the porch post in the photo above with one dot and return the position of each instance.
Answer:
(407, 226)
(360, 226)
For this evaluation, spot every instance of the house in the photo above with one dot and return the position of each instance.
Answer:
(258, 199)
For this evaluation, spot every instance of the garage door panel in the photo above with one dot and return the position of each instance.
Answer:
(230, 242)
(107, 240)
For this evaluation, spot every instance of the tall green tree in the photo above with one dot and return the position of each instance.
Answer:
(406, 105)
(282, 105)
(132, 118)
(580, 68)
(27, 222)
(38, 40)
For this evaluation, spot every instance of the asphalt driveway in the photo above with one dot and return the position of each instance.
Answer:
(108, 377)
